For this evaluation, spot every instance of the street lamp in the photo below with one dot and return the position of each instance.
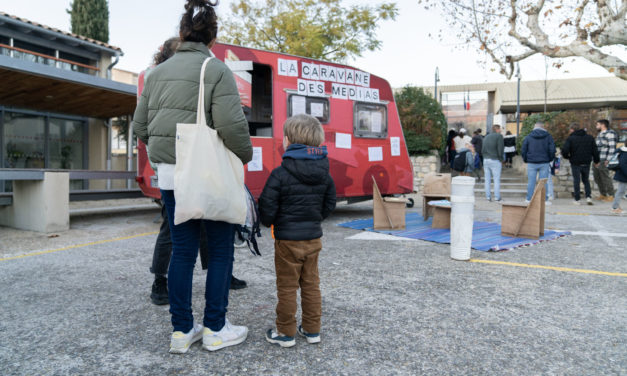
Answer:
(518, 100)
(437, 79)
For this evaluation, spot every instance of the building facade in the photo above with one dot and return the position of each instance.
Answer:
(57, 100)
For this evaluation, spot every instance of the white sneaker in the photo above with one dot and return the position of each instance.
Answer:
(229, 335)
(180, 342)
(527, 202)
(589, 201)
(576, 202)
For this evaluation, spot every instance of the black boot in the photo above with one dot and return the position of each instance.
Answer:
(159, 295)
(237, 284)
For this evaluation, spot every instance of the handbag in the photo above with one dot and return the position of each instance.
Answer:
(613, 163)
(208, 177)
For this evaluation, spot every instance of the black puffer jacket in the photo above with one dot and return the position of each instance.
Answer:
(580, 148)
(299, 194)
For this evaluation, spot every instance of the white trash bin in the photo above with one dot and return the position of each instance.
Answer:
(462, 216)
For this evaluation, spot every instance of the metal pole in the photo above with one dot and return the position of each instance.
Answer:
(109, 141)
(437, 78)
(129, 150)
(518, 100)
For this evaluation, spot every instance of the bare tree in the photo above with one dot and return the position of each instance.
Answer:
(513, 30)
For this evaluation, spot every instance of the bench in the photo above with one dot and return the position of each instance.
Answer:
(40, 199)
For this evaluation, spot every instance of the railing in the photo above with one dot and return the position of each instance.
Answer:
(65, 64)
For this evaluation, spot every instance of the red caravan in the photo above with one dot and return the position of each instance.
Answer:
(362, 129)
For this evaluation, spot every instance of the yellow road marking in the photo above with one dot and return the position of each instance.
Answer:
(558, 268)
(78, 246)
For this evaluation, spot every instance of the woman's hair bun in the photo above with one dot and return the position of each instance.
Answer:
(191, 4)
(199, 22)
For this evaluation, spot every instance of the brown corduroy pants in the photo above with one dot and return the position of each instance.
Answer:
(296, 264)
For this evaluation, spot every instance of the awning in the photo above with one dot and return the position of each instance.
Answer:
(39, 87)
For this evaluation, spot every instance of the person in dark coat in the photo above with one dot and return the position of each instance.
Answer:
(297, 197)
(621, 178)
(509, 142)
(450, 146)
(538, 150)
(581, 149)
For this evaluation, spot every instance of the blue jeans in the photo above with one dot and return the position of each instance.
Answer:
(534, 169)
(492, 169)
(185, 241)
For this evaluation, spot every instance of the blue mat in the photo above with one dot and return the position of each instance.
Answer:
(486, 236)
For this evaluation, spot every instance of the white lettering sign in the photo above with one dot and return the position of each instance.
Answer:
(366, 79)
(350, 76)
(288, 67)
(306, 70)
(341, 75)
(315, 72)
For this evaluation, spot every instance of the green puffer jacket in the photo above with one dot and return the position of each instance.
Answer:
(170, 96)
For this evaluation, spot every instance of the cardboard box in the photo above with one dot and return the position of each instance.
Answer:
(389, 212)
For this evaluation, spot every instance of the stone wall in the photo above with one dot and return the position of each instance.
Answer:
(424, 164)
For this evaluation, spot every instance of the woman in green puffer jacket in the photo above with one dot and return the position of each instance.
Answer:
(169, 97)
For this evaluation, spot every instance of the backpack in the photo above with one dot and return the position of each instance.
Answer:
(250, 231)
(459, 163)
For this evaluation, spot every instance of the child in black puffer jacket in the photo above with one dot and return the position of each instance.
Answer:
(298, 195)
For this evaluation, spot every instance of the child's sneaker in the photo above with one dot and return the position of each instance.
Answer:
(229, 335)
(280, 339)
(180, 342)
(310, 337)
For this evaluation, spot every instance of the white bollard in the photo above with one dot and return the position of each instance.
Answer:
(462, 216)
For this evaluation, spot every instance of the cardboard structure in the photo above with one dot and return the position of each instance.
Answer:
(389, 212)
(525, 220)
(436, 187)
(441, 216)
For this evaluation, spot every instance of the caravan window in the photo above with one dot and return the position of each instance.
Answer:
(370, 120)
(314, 106)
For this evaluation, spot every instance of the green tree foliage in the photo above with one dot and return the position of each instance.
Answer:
(319, 29)
(90, 18)
(422, 119)
(556, 123)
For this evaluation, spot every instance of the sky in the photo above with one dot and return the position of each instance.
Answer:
(408, 55)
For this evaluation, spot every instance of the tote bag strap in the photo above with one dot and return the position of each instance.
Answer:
(201, 117)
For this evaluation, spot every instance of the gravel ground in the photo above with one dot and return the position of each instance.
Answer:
(389, 306)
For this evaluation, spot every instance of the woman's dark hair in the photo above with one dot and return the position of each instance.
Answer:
(166, 51)
(508, 133)
(199, 22)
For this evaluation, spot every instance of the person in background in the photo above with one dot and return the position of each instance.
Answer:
(170, 92)
(606, 143)
(555, 169)
(163, 246)
(621, 178)
(580, 149)
(464, 160)
(538, 150)
(297, 197)
(509, 142)
(477, 143)
(450, 146)
(493, 162)
(461, 140)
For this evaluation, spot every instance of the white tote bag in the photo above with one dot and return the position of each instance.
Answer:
(208, 177)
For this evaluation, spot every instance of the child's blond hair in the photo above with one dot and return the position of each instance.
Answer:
(303, 129)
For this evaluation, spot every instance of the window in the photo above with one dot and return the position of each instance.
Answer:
(314, 106)
(370, 120)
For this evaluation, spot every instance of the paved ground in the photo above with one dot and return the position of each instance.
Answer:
(389, 306)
